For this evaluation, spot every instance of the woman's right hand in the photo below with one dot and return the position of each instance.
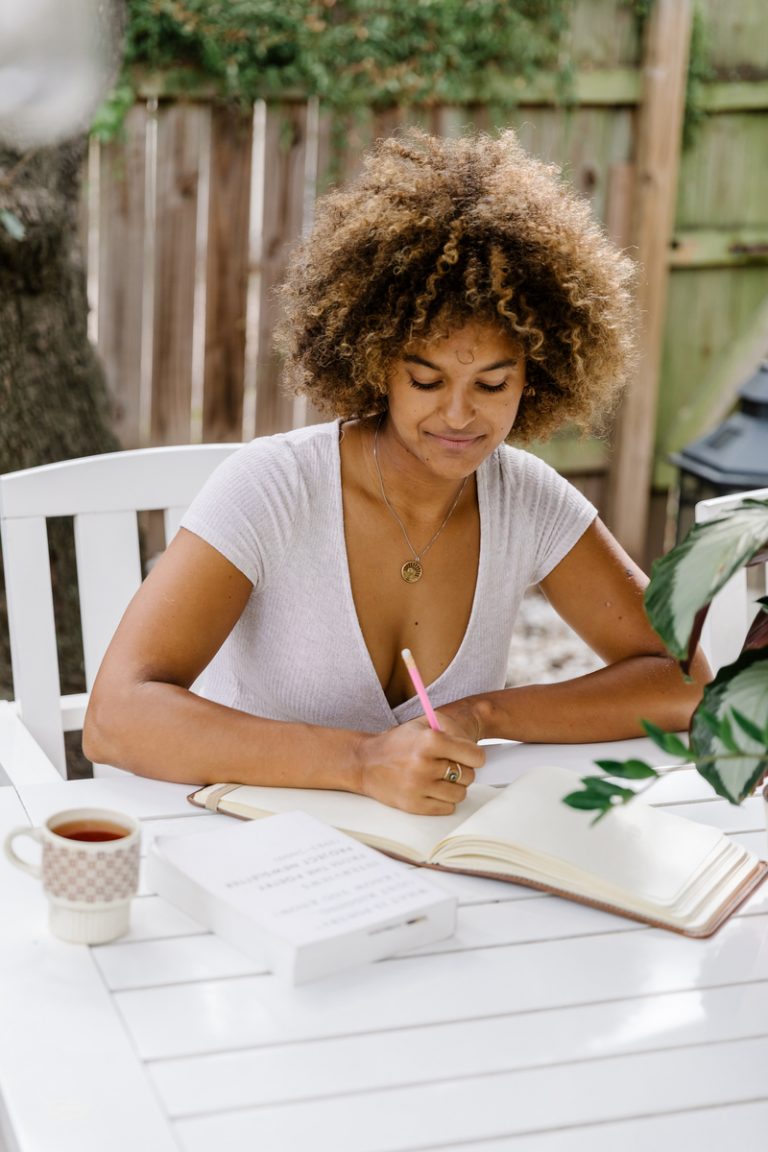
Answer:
(406, 767)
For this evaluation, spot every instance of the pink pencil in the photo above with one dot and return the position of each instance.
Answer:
(421, 691)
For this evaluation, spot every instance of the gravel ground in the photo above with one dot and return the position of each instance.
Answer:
(544, 649)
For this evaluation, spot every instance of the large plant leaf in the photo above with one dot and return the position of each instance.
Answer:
(738, 690)
(757, 637)
(685, 580)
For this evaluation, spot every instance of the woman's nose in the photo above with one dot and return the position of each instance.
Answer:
(459, 407)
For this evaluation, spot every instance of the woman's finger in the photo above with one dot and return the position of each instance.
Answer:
(457, 773)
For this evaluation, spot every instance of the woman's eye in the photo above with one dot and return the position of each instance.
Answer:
(486, 387)
(424, 385)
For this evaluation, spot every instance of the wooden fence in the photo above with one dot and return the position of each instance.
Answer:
(191, 216)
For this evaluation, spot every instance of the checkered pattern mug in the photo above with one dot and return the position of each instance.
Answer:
(89, 868)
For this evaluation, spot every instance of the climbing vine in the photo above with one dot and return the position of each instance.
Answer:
(359, 53)
(348, 53)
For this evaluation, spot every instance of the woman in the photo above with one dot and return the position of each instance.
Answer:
(456, 295)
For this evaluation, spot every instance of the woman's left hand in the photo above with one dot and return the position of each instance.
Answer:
(461, 718)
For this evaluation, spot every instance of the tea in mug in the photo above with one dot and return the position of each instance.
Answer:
(90, 830)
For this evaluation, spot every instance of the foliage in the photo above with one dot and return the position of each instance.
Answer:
(728, 737)
(346, 52)
(354, 53)
(700, 71)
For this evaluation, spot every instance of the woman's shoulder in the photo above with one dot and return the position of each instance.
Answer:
(296, 448)
(255, 502)
(517, 466)
(529, 484)
(286, 462)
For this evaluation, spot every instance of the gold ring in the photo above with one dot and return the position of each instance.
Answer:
(453, 773)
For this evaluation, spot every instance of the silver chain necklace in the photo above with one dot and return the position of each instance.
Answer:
(413, 569)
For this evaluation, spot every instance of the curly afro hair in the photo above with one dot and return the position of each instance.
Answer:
(436, 233)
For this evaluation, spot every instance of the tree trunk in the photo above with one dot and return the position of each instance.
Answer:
(53, 396)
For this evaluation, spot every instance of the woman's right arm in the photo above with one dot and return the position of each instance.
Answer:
(142, 716)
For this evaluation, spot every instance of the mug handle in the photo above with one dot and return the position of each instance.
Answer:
(34, 834)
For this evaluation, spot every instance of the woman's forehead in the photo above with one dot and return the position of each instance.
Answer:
(474, 342)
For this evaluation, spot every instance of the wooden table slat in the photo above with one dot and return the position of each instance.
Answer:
(351, 1064)
(220, 1014)
(740, 1126)
(523, 1102)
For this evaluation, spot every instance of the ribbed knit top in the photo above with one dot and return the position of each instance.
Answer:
(297, 653)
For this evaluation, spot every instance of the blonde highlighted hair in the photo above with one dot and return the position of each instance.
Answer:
(436, 233)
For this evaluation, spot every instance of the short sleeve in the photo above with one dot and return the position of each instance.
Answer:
(553, 514)
(248, 508)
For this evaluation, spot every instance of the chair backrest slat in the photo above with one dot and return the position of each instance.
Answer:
(103, 494)
(108, 576)
(171, 520)
(32, 630)
(141, 478)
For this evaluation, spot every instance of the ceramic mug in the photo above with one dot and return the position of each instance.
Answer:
(89, 868)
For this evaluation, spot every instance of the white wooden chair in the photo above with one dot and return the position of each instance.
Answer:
(103, 494)
(733, 609)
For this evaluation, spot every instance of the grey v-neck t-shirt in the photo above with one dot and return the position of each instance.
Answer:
(297, 653)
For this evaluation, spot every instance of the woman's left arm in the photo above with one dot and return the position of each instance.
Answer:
(598, 590)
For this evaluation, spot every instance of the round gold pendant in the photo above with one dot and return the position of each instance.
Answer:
(411, 571)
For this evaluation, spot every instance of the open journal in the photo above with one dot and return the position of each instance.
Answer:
(638, 861)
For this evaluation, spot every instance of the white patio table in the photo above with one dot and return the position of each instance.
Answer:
(540, 1025)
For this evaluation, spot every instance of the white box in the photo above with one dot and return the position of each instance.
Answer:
(300, 894)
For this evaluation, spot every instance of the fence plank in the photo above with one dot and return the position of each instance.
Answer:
(737, 35)
(178, 150)
(603, 35)
(618, 208)
(227, 274)
(282, 222)
(358, 137)
(122, 212)
(716, 335)
(722, 178)
(664, 70)
(719, 247)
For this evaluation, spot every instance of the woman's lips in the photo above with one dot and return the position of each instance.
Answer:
(454, 443)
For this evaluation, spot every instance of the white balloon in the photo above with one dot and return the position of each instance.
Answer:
(56, 61)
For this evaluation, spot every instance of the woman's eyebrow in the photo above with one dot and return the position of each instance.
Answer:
(413, 359)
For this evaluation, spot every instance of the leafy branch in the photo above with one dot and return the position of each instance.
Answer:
(728, 736)
(600, 795)
(348, 53)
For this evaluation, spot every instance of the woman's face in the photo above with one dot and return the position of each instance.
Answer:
(453, 401)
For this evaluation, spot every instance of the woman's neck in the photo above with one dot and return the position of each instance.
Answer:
(397, 475)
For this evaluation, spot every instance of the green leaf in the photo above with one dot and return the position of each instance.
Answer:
(686, 579)
(109, 117)
(742, 688)
(612, 767)
(752, 730)
(586, 800)
(12, 224)
(726, 735)
(627, 769)
(667, 741)
(599, 786)
(709, 720)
